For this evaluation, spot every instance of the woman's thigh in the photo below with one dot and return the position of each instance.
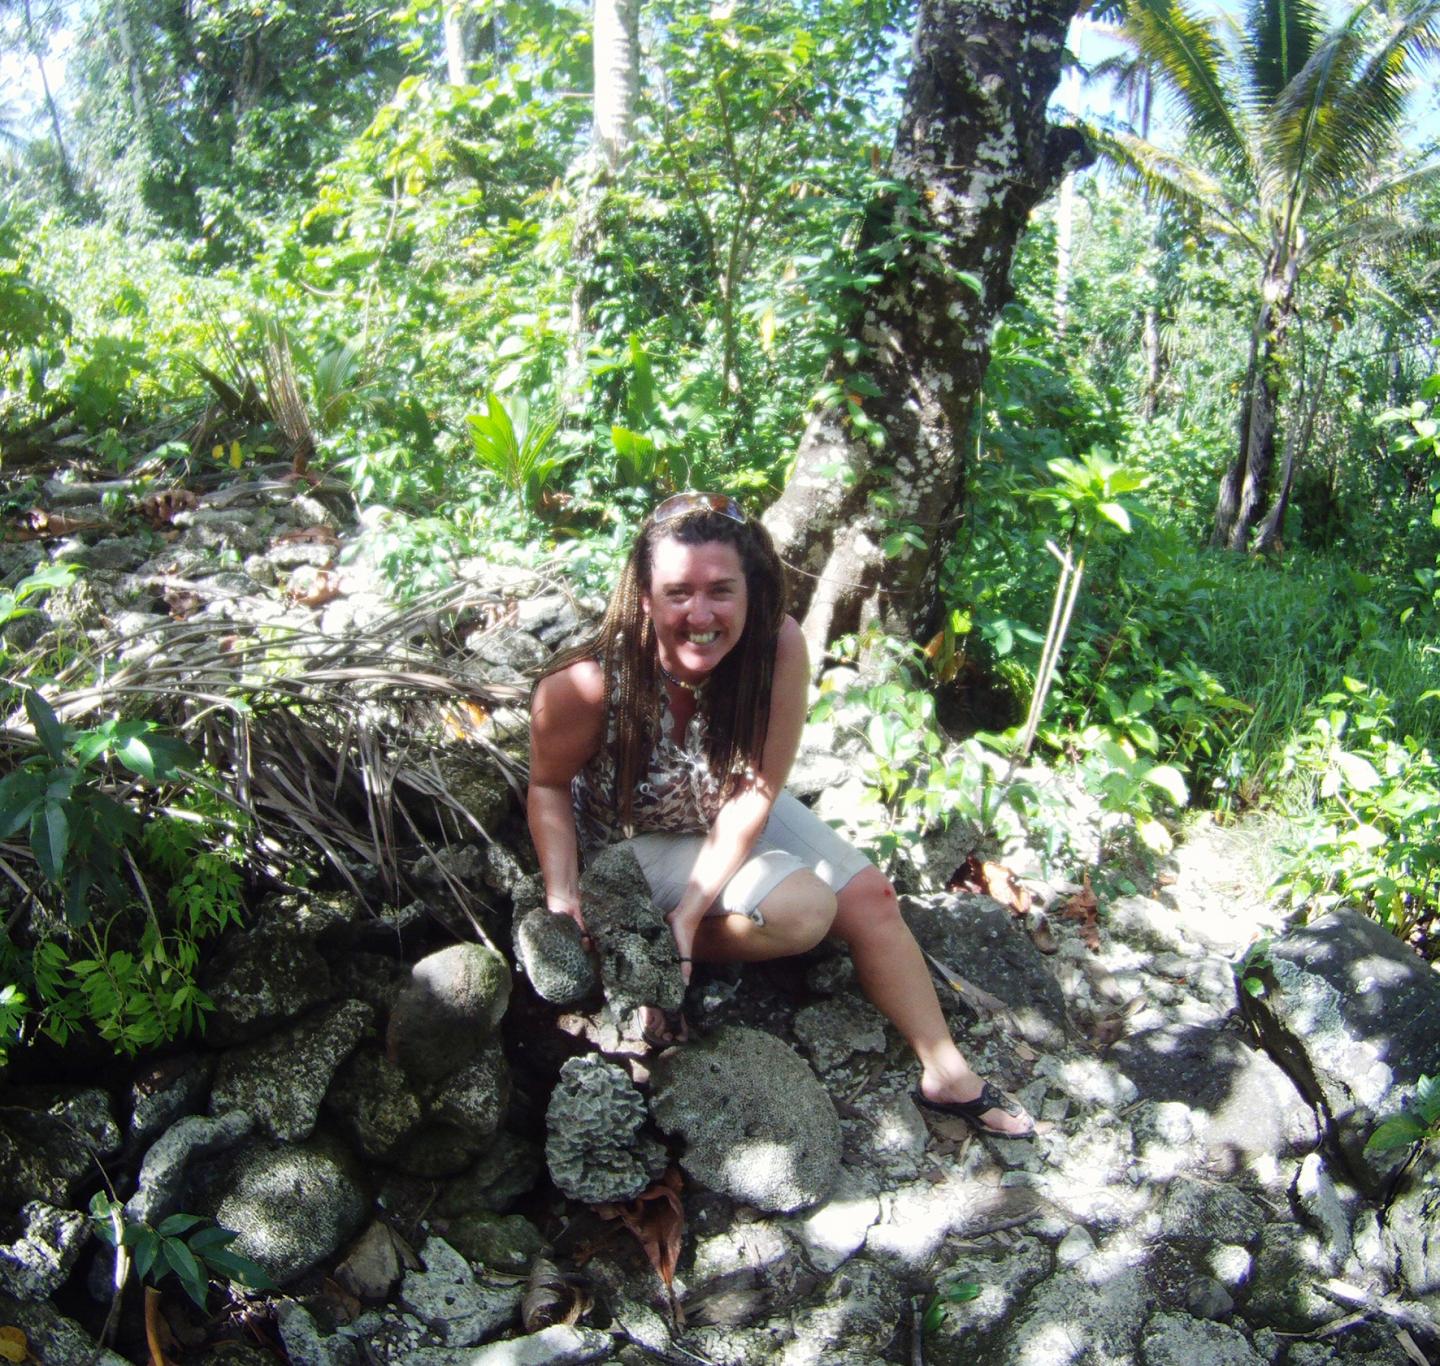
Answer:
(794, 840)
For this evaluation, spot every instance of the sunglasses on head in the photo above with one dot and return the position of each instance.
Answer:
(681, 504)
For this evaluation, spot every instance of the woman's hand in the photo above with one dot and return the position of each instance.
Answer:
(572, 909)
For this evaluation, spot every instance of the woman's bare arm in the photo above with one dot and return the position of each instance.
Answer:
(567, 728)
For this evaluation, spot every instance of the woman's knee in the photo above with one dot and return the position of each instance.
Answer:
(867, 904)
(801, 908)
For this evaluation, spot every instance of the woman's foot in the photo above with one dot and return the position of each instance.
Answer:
(981, 1105)
(661, 1028)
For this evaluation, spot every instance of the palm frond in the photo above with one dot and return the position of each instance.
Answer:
(1368, 108)
(1177, 181)
(1378, 200)
(1192, 64)
(1281, 36)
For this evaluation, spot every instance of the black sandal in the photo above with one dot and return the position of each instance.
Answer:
(990, 1098)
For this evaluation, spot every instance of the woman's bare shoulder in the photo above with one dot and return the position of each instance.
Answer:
(579, 684)
(790, 647)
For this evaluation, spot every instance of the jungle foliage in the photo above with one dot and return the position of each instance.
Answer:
(254, 234)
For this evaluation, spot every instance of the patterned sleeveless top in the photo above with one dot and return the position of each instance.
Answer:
(678, 795)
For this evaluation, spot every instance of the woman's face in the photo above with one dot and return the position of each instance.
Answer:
(697, 602)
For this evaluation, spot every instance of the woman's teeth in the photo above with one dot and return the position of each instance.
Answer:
(703, 637)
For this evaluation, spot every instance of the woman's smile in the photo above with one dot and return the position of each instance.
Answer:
(697, 604)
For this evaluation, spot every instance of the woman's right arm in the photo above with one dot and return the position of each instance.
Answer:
(567, 728)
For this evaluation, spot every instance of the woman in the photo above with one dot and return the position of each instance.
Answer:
(677, 724)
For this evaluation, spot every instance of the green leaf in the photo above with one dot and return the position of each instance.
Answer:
(1116, 513)
(934, 1316)
(1359, 772)
(147, 1248)
(237, 1268)
(179, 1223)
(48, 729)
(1170, 781)
(1254, 986)
(182, 1262)
(20, 793)
(50, 839)
(1399, 1132)
(959, 1292)
(215, 1237)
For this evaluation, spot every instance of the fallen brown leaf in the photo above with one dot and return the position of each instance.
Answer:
(157, 1332)
(552, 1297)
(1084, 909)
(994, 880)
(657, 1219)
(320, 535)
(324, 588)
(159, 509)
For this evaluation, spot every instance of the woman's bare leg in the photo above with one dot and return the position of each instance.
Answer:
(798, 913)
(894, 975)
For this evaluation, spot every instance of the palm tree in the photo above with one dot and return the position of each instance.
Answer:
(1293, 130)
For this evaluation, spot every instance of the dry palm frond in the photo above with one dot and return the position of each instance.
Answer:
(282, 394)
(330, 744)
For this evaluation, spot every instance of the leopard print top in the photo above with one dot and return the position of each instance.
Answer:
(679, 795)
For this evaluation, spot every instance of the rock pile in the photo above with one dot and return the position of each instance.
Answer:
(421, 1132)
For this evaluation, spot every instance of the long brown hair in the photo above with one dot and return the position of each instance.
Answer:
(736, 699)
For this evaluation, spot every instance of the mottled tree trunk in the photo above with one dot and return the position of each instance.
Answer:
(976, 154)
(616, 48)
(1245, 489)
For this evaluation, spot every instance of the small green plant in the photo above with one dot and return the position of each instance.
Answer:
(1417, 1122)
(194, 1249)
(1254, 967)
(514, 444)
(945, 1299)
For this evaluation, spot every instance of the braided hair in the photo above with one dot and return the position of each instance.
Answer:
(736, 702)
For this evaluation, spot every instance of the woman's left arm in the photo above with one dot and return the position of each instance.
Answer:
(741, 819)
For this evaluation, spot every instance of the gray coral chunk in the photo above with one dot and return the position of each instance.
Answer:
(550, 949)
(757, 1125)
(639, 965)
(35, 1265)
(595, 1150)
(454, 1000)
(282, 1080)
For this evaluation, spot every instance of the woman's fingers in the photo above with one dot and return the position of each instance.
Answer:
(575, 914)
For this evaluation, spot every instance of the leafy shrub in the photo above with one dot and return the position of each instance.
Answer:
(1373, 836)
(131, 872)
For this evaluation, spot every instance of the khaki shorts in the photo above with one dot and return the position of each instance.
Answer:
(793, 838)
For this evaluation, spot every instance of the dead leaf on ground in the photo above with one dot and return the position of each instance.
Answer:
(465, 719)
(182, 602)
(13, 1345)
(343, 1304)
(994, 880)
(1084, 909)
(158, 1336)
(323, 588)
(657, 1219)
(305, 535)
(37, 524)
(553, 1297)
(1041, 935)
(159, 509)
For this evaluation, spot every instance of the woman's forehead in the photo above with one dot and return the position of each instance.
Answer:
(673, 561)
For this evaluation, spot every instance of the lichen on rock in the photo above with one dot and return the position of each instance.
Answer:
(757, 1125)
(639, 964)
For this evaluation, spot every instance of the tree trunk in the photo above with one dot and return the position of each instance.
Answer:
(457, 45)
(1244, 491)
(1154, 362)
(1297, 442)
(33, 42)
(617, 76)
(616, 48)
(974, 154)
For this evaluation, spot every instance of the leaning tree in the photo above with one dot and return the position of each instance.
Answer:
(878, 484)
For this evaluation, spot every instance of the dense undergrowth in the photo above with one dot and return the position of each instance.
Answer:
(395, 310)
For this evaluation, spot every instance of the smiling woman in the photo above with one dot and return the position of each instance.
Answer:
(675, 726)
